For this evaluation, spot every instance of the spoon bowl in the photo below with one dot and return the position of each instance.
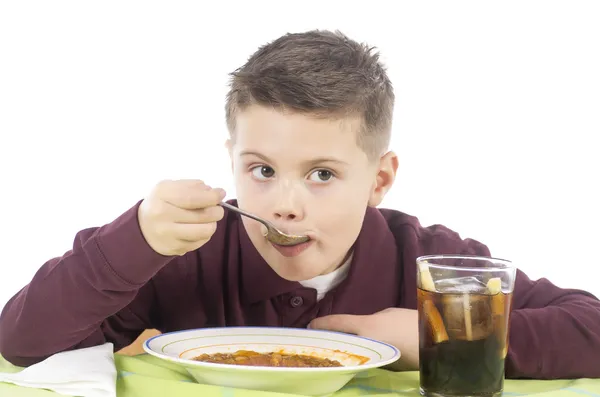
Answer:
(274, 235)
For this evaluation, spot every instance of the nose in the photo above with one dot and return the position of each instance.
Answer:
(287, 206)
(286, 213)
(286, 210)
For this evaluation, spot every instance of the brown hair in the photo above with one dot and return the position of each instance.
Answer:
(320, 73)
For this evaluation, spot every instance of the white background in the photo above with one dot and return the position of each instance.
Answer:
(497, 118)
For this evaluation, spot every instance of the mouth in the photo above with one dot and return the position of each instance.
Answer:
(292, 250)
(311, 236)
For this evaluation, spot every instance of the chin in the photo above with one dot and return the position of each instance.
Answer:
(292, 269)
(292, 273)
(290, 263)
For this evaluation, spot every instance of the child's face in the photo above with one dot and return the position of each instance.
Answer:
(306, 176)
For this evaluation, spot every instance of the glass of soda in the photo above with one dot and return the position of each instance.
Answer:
(463, 305)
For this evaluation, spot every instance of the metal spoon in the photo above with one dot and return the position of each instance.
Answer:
(274, 235)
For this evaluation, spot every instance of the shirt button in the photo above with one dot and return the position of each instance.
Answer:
(296, 301)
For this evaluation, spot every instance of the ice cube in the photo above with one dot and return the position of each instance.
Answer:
(467, 317)
(461, 285)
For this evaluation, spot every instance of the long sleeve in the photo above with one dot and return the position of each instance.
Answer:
(98, 291)
(554, 332)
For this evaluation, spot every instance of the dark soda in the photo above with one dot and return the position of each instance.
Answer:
(463, 341)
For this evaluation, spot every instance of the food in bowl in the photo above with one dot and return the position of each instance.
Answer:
(354, 353)
(271, 359)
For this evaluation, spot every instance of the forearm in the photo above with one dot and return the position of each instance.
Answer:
(559, 341)
(70, 297)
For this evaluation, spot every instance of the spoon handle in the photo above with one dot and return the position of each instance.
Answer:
(242, 212)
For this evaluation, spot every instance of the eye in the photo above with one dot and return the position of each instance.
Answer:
(263, 172)
(321, 176)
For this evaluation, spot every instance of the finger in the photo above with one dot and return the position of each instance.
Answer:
(189, 194)
(347, 323)
(203, 215)
(194, 232)
(170, 184)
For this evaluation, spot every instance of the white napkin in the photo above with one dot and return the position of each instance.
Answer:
(88, 372)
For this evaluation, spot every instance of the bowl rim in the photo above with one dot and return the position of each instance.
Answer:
(349, 368)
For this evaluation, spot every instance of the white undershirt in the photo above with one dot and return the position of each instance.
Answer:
(329, 281)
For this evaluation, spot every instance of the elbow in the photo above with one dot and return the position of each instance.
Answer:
(21, 361)
(12, 349)
(10, 352)
(555, 342)
(12, 346)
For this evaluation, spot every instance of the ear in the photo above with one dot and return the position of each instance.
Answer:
(384, 179)
(229, 147)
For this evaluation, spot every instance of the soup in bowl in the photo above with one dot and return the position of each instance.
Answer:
(284, 360)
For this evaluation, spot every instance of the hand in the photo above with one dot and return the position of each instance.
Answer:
(180, 216)
(398, 327)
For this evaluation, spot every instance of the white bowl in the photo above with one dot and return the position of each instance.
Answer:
(180, 347)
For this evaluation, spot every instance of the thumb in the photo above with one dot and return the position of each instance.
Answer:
(347, 323)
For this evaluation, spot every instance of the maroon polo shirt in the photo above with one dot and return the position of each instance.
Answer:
(111, 286)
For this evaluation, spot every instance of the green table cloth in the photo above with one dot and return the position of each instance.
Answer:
(147, 376)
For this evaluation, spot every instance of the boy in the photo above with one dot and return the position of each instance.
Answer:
(310, 118)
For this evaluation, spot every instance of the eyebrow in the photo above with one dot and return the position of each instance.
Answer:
(316, 160)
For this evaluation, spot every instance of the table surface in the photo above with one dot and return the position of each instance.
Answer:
(147, 376)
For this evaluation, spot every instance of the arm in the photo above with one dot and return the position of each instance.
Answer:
(95, 293)
(554, 332)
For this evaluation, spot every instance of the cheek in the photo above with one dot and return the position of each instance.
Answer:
(340, 202)
(340, 218)
(339, 235)
(339, 213)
